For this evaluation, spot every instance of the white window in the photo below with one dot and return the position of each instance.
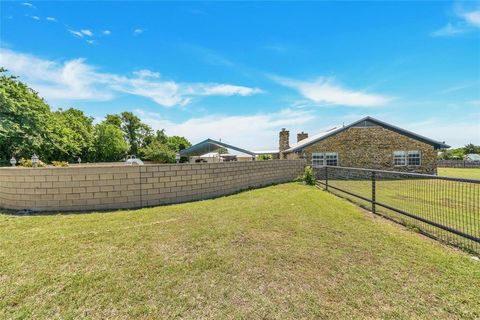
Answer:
(331, 158)
(399, 158)
(324, 158)
(414, 158)
(317, 159)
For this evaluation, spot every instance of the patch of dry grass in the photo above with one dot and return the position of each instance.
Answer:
(287, 251)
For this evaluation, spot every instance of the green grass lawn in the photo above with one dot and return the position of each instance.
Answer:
(469, 173)
(287, 251)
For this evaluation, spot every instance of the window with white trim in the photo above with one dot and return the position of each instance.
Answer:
(399, 158)
(317, 159)
(331, 158)
(414, 158)
(324, 158)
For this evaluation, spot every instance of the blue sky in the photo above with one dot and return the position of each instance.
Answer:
(240, 71)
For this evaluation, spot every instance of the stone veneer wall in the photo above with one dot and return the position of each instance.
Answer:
(372, 148)
(118, 187)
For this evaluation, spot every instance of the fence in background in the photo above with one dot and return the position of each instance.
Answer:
(444, 208)
(458, 164)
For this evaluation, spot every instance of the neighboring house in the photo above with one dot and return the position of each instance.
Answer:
(366, 143)
(472, 157)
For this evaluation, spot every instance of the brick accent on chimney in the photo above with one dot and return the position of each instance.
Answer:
(301, 136)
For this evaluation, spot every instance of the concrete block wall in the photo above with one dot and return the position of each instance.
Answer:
(119, 187)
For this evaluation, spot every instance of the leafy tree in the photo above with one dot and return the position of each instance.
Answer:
(471, 148)
(74, 135)
(109, 142)
(114, 119)
(177, 143)
(156, 151)
(138, 134)
(24, 119)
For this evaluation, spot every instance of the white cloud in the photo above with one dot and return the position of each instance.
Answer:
(35, 18)
(87, 32)
(472, 17)
(454, 133)
(51, 19)
(76, 80)
(138, 31)
(76, 33)
(255, 132)
(448, 30)
(106, 32)
(27, 4)
(326, 91)
(90, 41)
(145, 73)
(466, 21)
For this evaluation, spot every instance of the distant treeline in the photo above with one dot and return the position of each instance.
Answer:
(28, 125)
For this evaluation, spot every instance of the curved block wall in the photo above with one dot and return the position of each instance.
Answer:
(120, 186)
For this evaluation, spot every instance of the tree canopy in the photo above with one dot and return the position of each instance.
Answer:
(28, 125)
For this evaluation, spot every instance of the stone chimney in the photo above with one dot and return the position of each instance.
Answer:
(283, 141)
(301, 136)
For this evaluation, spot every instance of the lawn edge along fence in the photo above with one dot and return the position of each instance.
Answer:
(444, 208)
(127, 186)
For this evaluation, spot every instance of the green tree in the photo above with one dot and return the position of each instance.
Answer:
(157, 151)
(25, 119)
(471, 148)
(177, 143)
(109, 142)
(73, 134)
(137, 134)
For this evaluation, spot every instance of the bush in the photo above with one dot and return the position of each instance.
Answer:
(265, 157)
(308, 176)
(60, 163)
(28, 163)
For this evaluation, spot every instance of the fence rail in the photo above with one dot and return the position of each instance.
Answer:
(458, 164)
(444, 208)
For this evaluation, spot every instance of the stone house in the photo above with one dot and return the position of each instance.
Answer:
(366, 143)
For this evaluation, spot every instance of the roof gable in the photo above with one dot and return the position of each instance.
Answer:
(209, 145)
(366, 122)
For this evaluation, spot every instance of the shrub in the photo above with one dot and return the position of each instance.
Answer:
(308, 176)
(28, 163)
(60, 163)
(265, 157)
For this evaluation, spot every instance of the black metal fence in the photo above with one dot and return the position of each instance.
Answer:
(444, 208)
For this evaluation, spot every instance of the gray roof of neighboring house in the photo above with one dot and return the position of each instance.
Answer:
(473, 157)
(209, 145)
(367, 121)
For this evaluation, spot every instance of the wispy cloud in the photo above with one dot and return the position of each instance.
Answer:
(87, 32)
(76, 33)
(52, 19)
(145, 73)
(326, 91)
(77, 80)
(106, 32)
(138, 31)
(465, 21)
(255, 131)
(27, 4)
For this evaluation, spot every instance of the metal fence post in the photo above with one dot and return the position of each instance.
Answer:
(373, 192)
(326, 178)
